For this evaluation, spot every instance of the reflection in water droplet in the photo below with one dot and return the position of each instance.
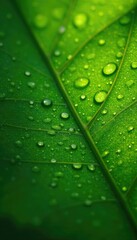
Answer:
(40, 21)
(31, 85)
(80, 20)
(100, 96)
(109, 69)
(104, 111)
(81, 83)
(77, 165)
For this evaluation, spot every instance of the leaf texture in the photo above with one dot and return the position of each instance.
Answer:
(68, 119)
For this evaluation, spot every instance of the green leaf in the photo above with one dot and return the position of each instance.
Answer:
(68, 120)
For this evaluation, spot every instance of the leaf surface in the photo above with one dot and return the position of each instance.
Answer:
(68, 119)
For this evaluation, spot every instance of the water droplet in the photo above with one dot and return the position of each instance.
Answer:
(47, 120)
(27, 73)
(118, 151)
(86, 66)
(100, 96)
(77, 165)
(80, 20)
(91, 167)
(121, 42)
(134, 65)
(65, 115)
(53, 160)
(119, 55)
(57, 53)
(101, 42)
(58, 13)
(53, 184)
(129, 83)
(125, 20)
(35, 169)
(31, 84)
(18, 143)
(120, 96)
(75, 195)
(40, 144)
(62, 29)
(46, 102)
(81, 83)
(88, 202)
(56, 127)
(105, 153)
(58, 174)
(83, 97)
(51, 132)
(73, 146)
(124, 189)
(130, 128)
(109, 69)
(104, 111)
(40, 21)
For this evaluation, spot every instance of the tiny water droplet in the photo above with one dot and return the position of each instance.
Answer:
(130, 128)
(104, 111)
(77, 165)
(81, 83)
(18, 143)
(109, 69)
(46, 102)
(80, 20)
(119, 55)
(129, 83)
(27, 73)
(40, 21)
(73, 146)
(64, 115)
(40, 144)
(91, 167)
(101, 42)
(125, 20)
(58, 174)
(35, 169)
(124, 189)
(57, 53)
(105, 153)
(120, 96)
(100, 96)
(134, 65)
(88, 203)
(31, 84)
(53, 160)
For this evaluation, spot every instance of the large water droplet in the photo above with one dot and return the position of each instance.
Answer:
(109, 69)
(40, 144)
(40, 21)
(81, 83)
(130, 128)
(80, 20)
(100, 96)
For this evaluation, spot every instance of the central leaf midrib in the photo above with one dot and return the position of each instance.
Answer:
(86, 133)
